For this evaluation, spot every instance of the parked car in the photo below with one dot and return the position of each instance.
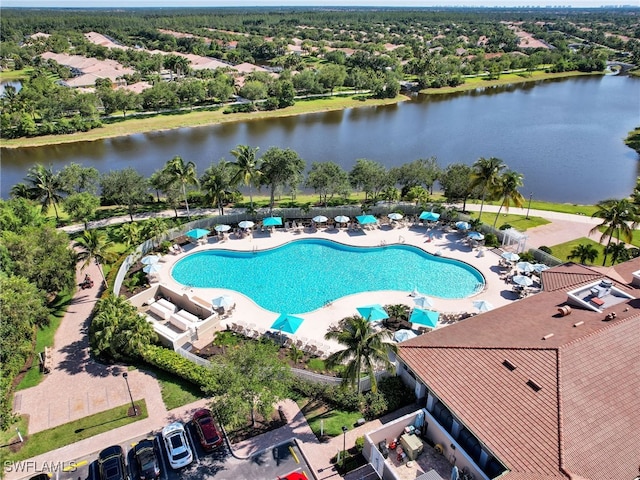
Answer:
(111, 464)
(208, 434)
(299, 475)
(41, 476)
(145, 454)
(177, 446)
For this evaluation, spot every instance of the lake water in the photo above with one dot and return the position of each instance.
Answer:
(565, 136)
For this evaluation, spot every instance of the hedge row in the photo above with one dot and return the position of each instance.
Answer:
(172, 362)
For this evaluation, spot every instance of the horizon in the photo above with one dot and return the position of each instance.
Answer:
(170, 4)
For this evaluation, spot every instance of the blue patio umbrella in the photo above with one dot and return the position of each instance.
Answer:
(287, 323)
(540, 267)
(341, 219)
(483, 305)
(423, 301)
(197, 233)
(522, 280)
(510, 256)
(366, 219)
(373, 313)
(150, 259)
(246, 224)
(428, 318)
(152, 268)
(272, 221)
(429, 216)
(463, 225)
(395, 216)
(224, 301)
(403, 335)
(222, 228)
(475, 236)
(525, 267)
(319, 219)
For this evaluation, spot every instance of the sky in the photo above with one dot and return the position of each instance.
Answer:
(290, 3)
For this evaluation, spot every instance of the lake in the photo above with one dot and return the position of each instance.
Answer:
(565, 136)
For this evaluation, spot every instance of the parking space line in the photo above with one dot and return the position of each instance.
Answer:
(193, 446)
(70, 468)
(161, 453)
(295, 457)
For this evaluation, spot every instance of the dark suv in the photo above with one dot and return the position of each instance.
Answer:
(111, 464)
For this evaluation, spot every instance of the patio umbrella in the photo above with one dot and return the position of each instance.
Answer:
(150, 260)
(319, 219)
(403, 335)
(512, 257)
(272, 221)
(197, 233)
(287, 323)
(224, 301)
(423, 301)
(342, 219)
(246, 224)
(373, 313)
(475, 236)
(522, 280)
(463, 225)
(222, 228)
(152, 268)
(428, 318)
(429, 216)
(540, 267)
(395, 216)
(525, 267)
(366, 219)
(455, 474)
(483, 305)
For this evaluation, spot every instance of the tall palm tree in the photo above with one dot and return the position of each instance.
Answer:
(584, 252)
(217, 185)
(45, 186)
(153, 228)
(183, 174)
(507, 187)
(365, 350)
(486, 172)
(246, 165)
(94, 246)
(619, 219)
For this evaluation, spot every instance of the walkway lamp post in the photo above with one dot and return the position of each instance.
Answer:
(529, 207)
(344, 444)
(132, 411)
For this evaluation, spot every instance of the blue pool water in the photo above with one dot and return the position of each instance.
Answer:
(304, 275)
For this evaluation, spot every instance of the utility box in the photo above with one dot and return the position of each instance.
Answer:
(412, 445)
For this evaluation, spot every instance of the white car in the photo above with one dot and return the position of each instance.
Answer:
(177, 446)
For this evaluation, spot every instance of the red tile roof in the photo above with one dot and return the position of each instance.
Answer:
(584, 419)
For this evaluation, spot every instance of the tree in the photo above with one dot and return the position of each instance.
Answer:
(94, 246)
(417, 194)
(507, 188)
(247, 168)
(456, 183)
(253, 90)
(279, 169)
(124, 187)
(74, 178)
(331, 76)
(153, 228)
(584, 252)
(419, 172)
(182, 174)
(327, 179)
(248, 380)
(45, 187)
(369, 176)
(618, 252)
(365, 350)
(619, 219)
(486, 172)
(81, 206)
(217, 185)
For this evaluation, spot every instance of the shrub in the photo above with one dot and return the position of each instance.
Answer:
(527, 257)
(545, 249)
(172, 362)
(491, 240)
(360, 444)
(396, 393)
(375, 404)
(505, 226)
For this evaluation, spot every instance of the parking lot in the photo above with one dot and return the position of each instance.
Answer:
(276, 461)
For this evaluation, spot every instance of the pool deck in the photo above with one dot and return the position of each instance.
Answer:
(317, 322)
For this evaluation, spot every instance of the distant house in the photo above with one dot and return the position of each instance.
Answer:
(87, 70)
(544, 388)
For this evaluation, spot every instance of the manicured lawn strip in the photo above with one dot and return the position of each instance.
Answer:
(573, 209)
(8, 75)
(332, 421)
(635, 237)
(519, 222)
(9, 436)
(184, 119)
(72, 432)
(176, 392)
(563, 250)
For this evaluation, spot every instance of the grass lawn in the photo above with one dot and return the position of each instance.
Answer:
(72, 432)
(330, 422)
(563, 250)
(176, 392)
(519, 222)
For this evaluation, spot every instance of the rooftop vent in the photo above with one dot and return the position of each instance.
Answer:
(547, 336)
(509, 365)
(577, 324)
(534, 386)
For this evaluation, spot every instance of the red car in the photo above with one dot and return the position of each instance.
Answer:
(208, 434)
(294, 476)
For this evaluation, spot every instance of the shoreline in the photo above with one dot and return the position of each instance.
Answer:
(205, 117)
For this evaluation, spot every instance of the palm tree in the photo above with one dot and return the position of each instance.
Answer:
(94, 246)
(216, 184)
(486, 172)
(507, 188)
(365, 349)
(619, 219)
(153, 228)
(618, 252)
(183, 174)
(246, 165)
(584, 252)
(45, 187)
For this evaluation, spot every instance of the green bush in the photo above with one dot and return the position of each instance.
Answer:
(545, 249)
(505, 226)
(396, 393)
(360, 444)
(375, 405)
(491, 240)
(527, 257)
(172, 362)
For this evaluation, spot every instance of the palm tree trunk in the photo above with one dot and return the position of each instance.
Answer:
(497, 215)
(186, 202)
(606, 249)
(481, 206)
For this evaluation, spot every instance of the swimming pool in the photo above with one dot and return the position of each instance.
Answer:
(304, 275)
